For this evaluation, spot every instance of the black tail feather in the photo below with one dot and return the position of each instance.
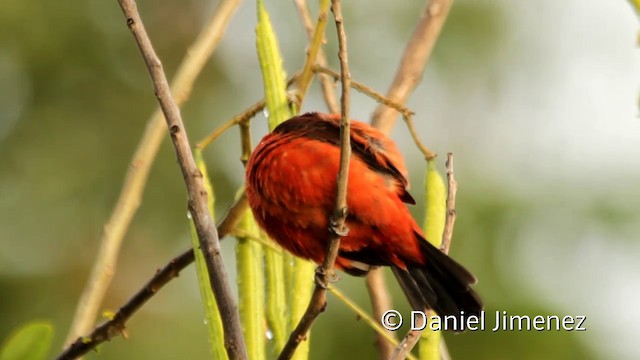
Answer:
(440, 284)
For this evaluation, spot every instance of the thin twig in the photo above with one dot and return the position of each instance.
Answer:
(407, 115)
(408, 75)
(413, 336)
(428, 154)
(239, 233)
(444, 351)
(406, 345)
(136, 178)
(117, 324)
(312, 53)
(198, 202)
(414, 59)
(326, 84)
(384, 334)
(358, 86)
(452, 189)
(380, 302)
(244, 116)
(338, 218)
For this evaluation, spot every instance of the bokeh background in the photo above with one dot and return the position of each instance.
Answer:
(538, 100)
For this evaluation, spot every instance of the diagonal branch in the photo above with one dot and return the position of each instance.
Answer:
(197, 203)
(136, 178)
(380, 303)
(117, 324)
(414, 59)
(326, 83)
(337, 220)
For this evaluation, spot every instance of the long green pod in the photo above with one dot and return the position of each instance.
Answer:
(435, 216)
(297, 273)
(276, 296)
(251, 297)
(273, 75)
(212, 315)
(299, 297)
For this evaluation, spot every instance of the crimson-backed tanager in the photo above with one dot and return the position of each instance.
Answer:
(291, 181)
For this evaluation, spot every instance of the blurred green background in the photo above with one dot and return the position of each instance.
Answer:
(537, 100)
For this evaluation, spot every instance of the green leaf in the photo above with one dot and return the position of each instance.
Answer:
(30, 341)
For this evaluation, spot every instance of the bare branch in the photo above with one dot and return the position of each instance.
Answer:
(414, 59)
(244, 116)
(380, 303)
(407, 115)
(117, 324)
(452, 186)
(198, 202)
(337, 220)
(326, 83)
(136, 178)
(408, 75)
(406, 345)
(312, 52)
(413, 336)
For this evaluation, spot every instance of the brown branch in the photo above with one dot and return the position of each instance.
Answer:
(406, 345)
(414, 59)
(306, 74)
(413, 336)
(326, 84)
(407, 115)
(408, 75)
(360, 87)
(116, 325)
(135, 180)
(428, 154)
(244, 116)
(198, 202)
(452, 189)
(337, 220)
(380, 303)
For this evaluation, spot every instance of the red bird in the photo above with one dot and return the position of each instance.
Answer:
(291, 186)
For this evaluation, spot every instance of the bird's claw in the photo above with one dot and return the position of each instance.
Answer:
(323, 279)
(338, 227)
(320, 278)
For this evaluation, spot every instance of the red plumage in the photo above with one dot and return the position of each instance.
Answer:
(291, 186)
